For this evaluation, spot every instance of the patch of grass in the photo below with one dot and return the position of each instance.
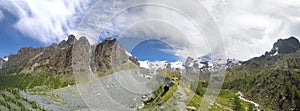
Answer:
(14, 98)
(26, 81)
(169, 94)
(160, 97)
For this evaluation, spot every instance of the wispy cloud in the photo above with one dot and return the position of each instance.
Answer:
(1, 16)
(48, 20)
(250, 27)
(142, 23)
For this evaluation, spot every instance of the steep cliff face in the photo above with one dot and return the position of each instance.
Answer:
(110, 54)
(57, 58)
(81, 55)
(54, 59)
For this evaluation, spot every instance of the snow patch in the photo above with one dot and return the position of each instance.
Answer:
(129, 54)
(5, 58)
(161, 65)
(177, 64)
(153, 65)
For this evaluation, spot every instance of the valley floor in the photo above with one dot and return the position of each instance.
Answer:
(124, 91)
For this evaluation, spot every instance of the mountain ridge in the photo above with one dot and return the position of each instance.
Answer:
(56, 59)
(272, 79)
(284, 46)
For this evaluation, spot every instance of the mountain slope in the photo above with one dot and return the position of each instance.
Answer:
(55, 61)
(271, 80)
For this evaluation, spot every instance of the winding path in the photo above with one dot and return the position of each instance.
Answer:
(241, 96)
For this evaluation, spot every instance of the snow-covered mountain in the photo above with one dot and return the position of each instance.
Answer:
(153, 65)
(177, 66)
(204, 64)
(174, 66)
(192, 64)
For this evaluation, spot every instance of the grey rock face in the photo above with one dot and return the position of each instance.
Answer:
(57, 58)
(285, 46)
(81, 55)
(2, 62)
(109, 54)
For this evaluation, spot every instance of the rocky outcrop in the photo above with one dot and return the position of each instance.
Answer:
(109, 54)
(54, 59)
(57, 58)
(284, 46)
(81, 55)
(134, 60)
(2, 62)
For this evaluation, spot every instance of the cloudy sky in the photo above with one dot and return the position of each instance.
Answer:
(248, 27)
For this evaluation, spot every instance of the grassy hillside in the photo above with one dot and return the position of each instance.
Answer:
(228, 100)
(27, 81)
(271, 81)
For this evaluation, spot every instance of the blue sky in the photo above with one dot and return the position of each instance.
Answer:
(246, 29)
(11, 40)
(27, 23)
(153, 50)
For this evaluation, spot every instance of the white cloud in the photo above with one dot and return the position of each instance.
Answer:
(145, 22)
(250, 27)
(1, 16)
(48, 20)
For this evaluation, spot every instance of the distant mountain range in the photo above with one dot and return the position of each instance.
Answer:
(190, 65)
(272, 80)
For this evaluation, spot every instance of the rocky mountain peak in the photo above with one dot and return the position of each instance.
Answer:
(110, 39)
(112, 54)
(71, 40)
(82, 39)
(57, 59)
(284, 46)
(189, 61)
